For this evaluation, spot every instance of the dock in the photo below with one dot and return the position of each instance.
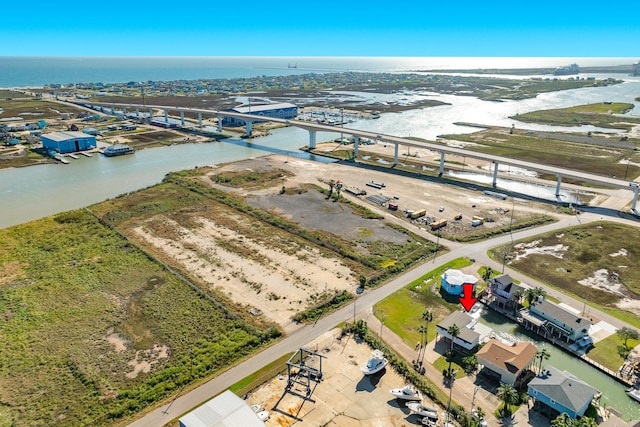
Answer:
(73, 156)
(84, 153)
(61, 159)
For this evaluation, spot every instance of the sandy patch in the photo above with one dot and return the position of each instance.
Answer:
(117, 341)
(273, 282)
(526, 249)
(605, 281)
(145, 359)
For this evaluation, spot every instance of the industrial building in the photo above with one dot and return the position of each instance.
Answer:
(283, 110)
(225, 410)
(68, 141)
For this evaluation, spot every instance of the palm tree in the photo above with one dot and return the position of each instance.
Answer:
(479, 414)
(541, 355)
(517, 296)
(486, 275)
(453, 331)
(509, 396)
(427, 316)
(423, 333)
(562, 420)
(530, 295)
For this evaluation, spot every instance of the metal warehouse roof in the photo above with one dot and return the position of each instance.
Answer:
(249, 109)
(65, 135)
(225, 410)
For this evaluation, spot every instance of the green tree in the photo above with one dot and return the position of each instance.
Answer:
(470, 364)
(454, 332)
(562, 420)
(427, 316)
(423, 333)
(486, 274)
(517, 297)
(542, 355)
(509, 396)
(626, 333)
(362, 279)
(585, 422)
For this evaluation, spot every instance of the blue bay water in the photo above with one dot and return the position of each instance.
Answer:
(40, 71)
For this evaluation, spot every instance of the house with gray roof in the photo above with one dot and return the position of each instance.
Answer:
(503, 291)
(467, 339)
(562, 392)
(556, 322)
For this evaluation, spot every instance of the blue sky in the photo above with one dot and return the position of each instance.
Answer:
(321, 28)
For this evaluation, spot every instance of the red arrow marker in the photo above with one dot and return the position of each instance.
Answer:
(467, 300)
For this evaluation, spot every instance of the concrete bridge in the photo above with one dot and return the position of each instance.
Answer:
(314, 128)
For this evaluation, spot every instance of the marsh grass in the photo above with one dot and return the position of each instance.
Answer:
(589, 248)
(68, 281)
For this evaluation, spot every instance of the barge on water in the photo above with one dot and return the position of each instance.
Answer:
(117, 150)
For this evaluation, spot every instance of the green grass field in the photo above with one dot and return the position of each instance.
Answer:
(68, 285)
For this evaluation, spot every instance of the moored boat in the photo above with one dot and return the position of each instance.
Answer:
(117, 150)
(634, 393)
(375, 364)
(407, 393)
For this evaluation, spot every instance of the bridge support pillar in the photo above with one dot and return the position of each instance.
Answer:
(495, 174)
(182, 117)
(312, 139)
(356, 141)
(150, 114)
(249, 129)
(395, 154)
(219, 123)
(137, 112)
(441, 170)
(166, 115)
(200, 120)
(636, 188)
(558, 185)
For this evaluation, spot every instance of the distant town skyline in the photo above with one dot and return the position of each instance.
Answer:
(327, 28)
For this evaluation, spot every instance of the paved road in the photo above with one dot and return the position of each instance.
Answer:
(300, 336)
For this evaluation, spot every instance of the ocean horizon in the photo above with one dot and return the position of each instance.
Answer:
(39, 71)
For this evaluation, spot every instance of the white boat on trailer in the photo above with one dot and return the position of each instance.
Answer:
(424, 411)
(407, 393)
(375, 364)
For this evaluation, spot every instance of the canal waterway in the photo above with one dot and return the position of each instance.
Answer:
(613, 393)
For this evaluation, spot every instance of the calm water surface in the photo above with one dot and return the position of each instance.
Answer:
(613, 393)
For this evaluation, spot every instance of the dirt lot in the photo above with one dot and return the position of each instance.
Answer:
(275, 277)
(344, 397)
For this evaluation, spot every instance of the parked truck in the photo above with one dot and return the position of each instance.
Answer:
(438, 224)
(417, 214)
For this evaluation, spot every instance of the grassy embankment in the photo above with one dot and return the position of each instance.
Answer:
(588, 248)
(597, 114)
(594, 155)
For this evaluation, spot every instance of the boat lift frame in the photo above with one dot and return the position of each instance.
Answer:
(301, 372)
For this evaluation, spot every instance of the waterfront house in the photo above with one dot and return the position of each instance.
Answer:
(68, 141)
(562, 392)
(467, 339)
(503, 291)
(554, 322)
(453, 281)
(510, 363)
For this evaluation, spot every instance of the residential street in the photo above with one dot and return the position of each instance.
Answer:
(300, 335)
